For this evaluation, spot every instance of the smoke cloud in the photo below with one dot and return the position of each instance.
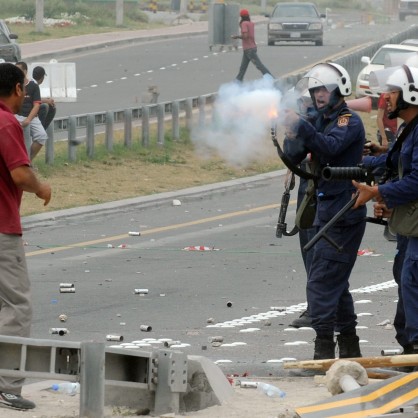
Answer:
(242, 117)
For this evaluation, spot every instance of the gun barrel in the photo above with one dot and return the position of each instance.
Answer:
(345, 173)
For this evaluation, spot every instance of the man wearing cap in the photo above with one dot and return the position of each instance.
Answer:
(47, 108)
(249, 46)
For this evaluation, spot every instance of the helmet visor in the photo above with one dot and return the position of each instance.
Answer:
(311, 83)
(386, 80)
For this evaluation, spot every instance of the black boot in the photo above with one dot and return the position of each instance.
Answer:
(348, 345)
(324, 348)
(304, 320)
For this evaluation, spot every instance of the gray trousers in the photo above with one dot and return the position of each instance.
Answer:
(15, 300)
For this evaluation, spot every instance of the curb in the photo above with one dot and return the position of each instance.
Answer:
(146, 201)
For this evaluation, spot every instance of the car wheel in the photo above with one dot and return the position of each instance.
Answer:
(401, 17)
(319, 43)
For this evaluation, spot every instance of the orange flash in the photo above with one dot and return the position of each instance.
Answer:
(273, 113)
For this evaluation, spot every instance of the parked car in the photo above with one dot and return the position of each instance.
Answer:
(378, 62)
(9, 48)
(300, 22)
(407, 7)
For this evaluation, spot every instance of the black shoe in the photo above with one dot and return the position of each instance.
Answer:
(304, 320)
(348, 346)
(15, 401)
(324, 349)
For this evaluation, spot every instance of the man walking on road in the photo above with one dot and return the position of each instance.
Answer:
(249, 46)
(16, 176)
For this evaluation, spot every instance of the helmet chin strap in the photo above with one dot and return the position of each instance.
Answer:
(400, 105)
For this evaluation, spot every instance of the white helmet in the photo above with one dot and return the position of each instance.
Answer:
(331, 76)
(404, 79)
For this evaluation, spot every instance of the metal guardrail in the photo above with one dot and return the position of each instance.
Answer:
(161, 374)
(79, 128)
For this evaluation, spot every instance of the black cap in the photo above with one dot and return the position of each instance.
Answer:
(38, 72)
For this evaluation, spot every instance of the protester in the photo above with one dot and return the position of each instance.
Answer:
(387, 127)
(249, 46)
(16, 176)
(401, 92)
(28, 115)
(47, 108)
(336, 139)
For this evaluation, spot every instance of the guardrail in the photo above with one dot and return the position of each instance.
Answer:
(157, 378)
(80, 128)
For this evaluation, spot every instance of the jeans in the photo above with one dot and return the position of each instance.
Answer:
(250, 55)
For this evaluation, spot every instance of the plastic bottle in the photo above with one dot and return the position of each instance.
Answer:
(270, 390)
(69, 388)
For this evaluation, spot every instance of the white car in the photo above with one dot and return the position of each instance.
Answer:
(377, 62)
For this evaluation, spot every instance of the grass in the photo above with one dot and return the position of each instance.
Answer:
(132, 172)
(139, 171)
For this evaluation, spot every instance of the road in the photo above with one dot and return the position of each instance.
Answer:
(117, 78)
(247, 266)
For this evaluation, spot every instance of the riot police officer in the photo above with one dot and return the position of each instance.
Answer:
(336, 138)
(401, 90)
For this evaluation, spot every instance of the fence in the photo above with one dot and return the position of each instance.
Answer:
(85, 126)
(82, 128)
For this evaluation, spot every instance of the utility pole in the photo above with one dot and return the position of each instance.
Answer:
(39, 16)
(119, 12)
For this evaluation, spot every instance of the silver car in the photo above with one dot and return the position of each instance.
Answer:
(300, 22)
(9, 49)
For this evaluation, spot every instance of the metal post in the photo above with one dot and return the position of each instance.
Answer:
(128, 127)
(160, 123)
(92, 378)
(145, 126)
(189, 113)
(72, 138)
(39, 16)
(175, 112)
(49, 149)
(90, 136)
(172, 380)
(110, 120)
(119, 12)
(28, 140)
(202, 116)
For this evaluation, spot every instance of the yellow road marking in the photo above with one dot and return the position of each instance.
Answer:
(156, 230)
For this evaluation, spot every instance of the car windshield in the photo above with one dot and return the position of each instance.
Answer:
(297, 10)
(380, 57)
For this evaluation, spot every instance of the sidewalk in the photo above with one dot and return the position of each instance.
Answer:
(52, 48)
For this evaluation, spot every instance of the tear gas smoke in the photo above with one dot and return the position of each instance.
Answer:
(241, 122)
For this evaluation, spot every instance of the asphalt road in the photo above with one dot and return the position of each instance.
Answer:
(118, 78)
(247, 266)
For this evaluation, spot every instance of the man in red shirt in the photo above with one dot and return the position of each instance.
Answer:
(249, 46)
(16, 176)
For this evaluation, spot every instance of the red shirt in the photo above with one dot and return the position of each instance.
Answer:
(12, 155)
(248, 27)
(391, 124)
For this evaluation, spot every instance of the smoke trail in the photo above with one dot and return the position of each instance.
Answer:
(241, 122)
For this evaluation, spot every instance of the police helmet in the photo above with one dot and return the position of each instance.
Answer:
(331, 76)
